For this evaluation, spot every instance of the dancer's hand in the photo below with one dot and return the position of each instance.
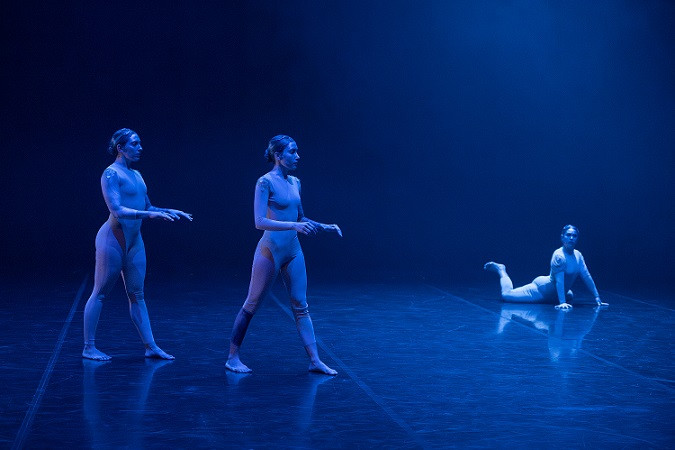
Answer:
(160, 215)
(177, 214)
(333, 228)
(305, 227)
(564, 306)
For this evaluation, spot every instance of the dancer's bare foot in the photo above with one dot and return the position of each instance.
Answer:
(152, 351)
(91, 352)
(235, 365)
(494, 267)
(320, 367)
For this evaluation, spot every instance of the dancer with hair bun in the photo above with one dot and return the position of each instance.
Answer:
(119, 245)
(278, 212)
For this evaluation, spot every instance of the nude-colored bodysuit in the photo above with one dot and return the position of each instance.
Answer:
(281, 251)
(544, 287)
(120, 250)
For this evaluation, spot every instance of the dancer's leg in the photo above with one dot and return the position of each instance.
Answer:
(133, 274)
(108, 267)
(529, 293)
(294, 275)
(295, 278)
(263, 274)
(526, 294)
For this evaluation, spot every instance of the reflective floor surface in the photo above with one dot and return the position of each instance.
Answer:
(420, 366)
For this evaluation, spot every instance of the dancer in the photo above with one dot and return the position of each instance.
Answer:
(278, 211)
(119, 245)
(567, 264)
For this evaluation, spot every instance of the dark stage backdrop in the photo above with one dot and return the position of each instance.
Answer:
(438, 134)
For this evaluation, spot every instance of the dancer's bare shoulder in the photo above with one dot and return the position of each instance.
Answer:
(110, 173)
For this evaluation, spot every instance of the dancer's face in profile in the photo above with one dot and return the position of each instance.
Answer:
(569, 238)
(289, 157)
(132, 149)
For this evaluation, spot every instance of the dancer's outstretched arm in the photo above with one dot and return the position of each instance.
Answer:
(174, 213)
(332, 228)
(322, 226)
(110, 184)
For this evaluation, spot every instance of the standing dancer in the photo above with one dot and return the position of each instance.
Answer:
(567, 264)
(119, 245)
(278, 211)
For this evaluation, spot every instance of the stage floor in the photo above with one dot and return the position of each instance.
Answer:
(420, 366)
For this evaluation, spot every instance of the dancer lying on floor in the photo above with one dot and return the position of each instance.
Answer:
(567, 264)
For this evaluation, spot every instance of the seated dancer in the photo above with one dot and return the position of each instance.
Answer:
(278, 211)
(566, 264)
(119, 245)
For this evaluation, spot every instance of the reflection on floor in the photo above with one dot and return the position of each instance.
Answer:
(419, 366)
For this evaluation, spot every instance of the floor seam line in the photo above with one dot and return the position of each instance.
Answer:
(42, 386)
(364, 387)
(597, 358)
(639, 301)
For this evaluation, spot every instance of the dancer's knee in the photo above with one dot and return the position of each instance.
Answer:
(136, 296)
(509, 296)
(251, 305)
(98, 297)
(300, 309)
